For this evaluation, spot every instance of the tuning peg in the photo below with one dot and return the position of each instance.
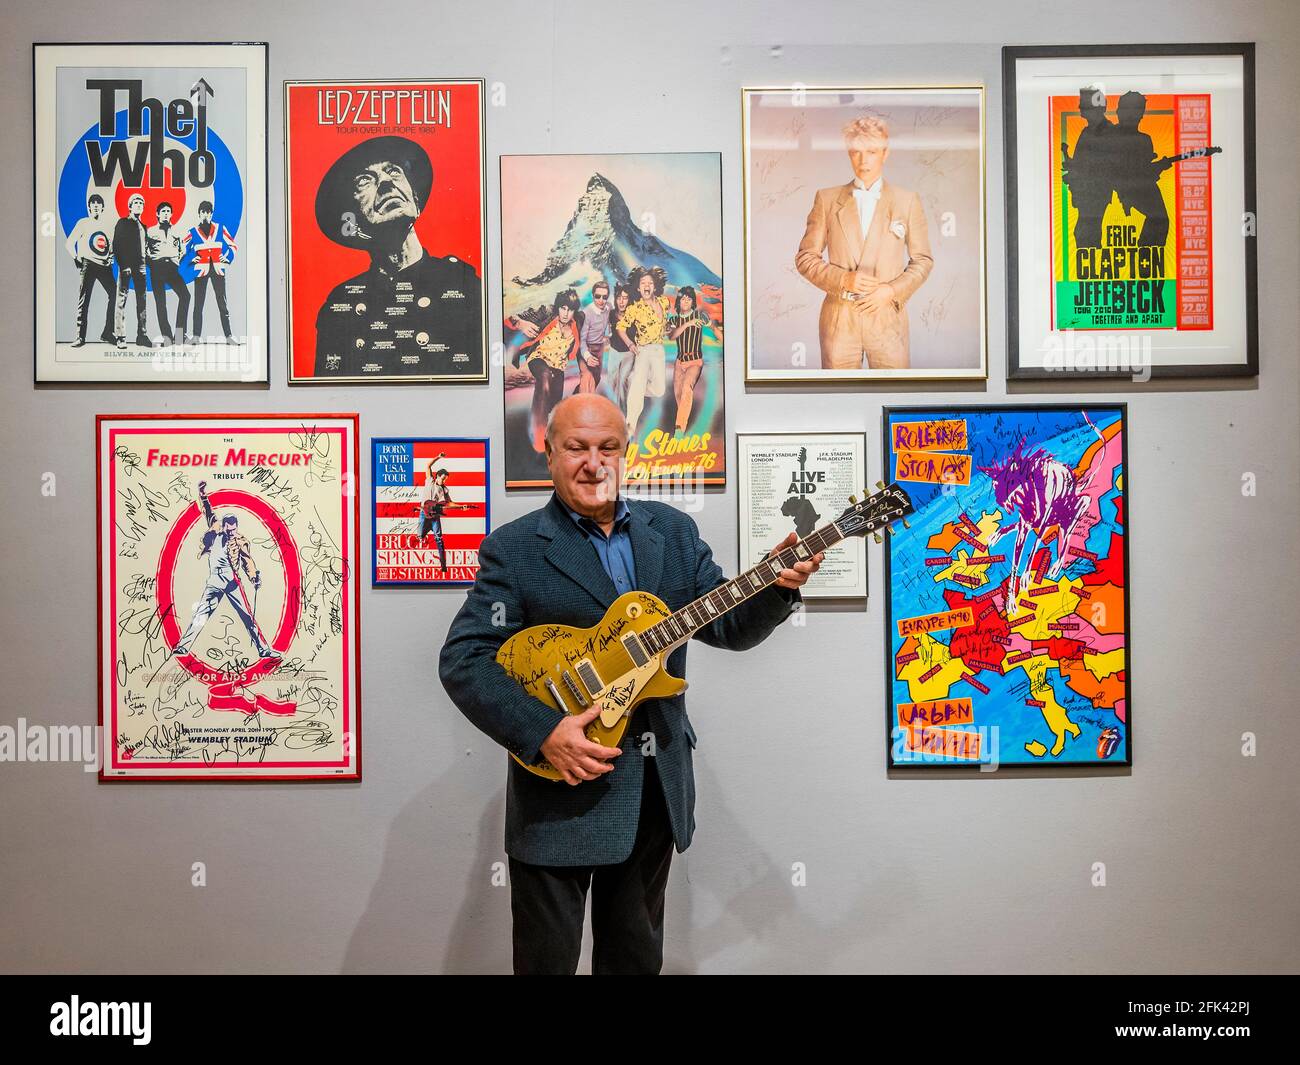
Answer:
(880, 484)
(878, 538)
(853, 499)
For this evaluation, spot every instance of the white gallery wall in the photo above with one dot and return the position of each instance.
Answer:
(937, 871)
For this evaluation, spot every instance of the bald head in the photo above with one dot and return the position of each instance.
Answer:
(588, 409)
(586, 438)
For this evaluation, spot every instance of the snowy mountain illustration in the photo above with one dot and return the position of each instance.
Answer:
(602, 241)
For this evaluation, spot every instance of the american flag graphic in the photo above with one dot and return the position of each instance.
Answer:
(402, 556)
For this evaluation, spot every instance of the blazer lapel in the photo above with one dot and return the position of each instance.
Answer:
(572, 554)
(647, 549)
(850, 223)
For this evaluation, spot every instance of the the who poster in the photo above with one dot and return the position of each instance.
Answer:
(1007, 622)
(151, 248)
(797, 483)
(229, 597)
(384, 189)
(611, 272)
(1131, 199)
(431, 508)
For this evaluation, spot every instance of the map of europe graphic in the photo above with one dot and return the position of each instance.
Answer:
(1007, 613)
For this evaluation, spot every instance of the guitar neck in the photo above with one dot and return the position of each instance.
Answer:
(684, 623)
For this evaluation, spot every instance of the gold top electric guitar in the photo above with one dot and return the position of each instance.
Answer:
(619, 663)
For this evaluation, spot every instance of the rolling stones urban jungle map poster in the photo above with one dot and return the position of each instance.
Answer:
(612, 283)
(1008, 597)
(384, 189)
(151, 256)
(228, 599)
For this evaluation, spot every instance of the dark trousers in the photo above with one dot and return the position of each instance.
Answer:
(92, 274)
(548, 390)
(126, 277)
(164, 275)
(200, 294)
(627, 903)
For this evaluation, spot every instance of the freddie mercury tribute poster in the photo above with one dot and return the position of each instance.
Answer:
(228, 599)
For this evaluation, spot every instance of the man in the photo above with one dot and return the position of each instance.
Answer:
(866, 245)
(129, 243)
(437, 497)
(227, 552)
(409, 312)
(91, 250)
(595, 338)
(612, 825)
(1137, 170)
(643, 328)
(213, 249)
(549, 347)
(166, 245)
(1090, 172)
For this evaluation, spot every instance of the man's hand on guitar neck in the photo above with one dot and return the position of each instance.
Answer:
(798, 576)
(576, 757)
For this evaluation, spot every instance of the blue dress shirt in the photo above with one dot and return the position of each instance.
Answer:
(614, 550)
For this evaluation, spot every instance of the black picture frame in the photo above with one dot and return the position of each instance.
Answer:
(263, 381)
(887, 471)
(1011, 54)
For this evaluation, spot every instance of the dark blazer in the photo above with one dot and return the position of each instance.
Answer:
(129, 243)
(541, 569)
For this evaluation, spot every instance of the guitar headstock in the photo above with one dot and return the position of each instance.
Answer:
(875, 512)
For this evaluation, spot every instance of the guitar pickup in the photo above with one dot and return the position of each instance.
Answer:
(589, 676)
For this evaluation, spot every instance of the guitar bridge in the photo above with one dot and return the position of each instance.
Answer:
(574, 690)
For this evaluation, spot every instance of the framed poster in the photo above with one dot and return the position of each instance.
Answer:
(384, 182)
(431, 501)
(1007, 619)
(151, 254)
(1131, 211)
(798, 482)
(611, 272)
(864, 233)
(229, 601)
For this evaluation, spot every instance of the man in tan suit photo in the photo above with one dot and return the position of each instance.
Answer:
(867, 247)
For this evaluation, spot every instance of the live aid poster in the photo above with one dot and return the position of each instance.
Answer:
(1007, 620)
(229, 598)
(431, 505)
(611, 272)
(384, 183)
(151, 254)
(799, 482)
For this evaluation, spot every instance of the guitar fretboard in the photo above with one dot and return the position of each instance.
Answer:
(684, 623)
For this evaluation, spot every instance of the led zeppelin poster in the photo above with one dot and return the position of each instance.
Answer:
(1131, 211)
(384, 189)
(431, 507)
(1007, 628)
(229, 598)
(151, 248)
(612, 283)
